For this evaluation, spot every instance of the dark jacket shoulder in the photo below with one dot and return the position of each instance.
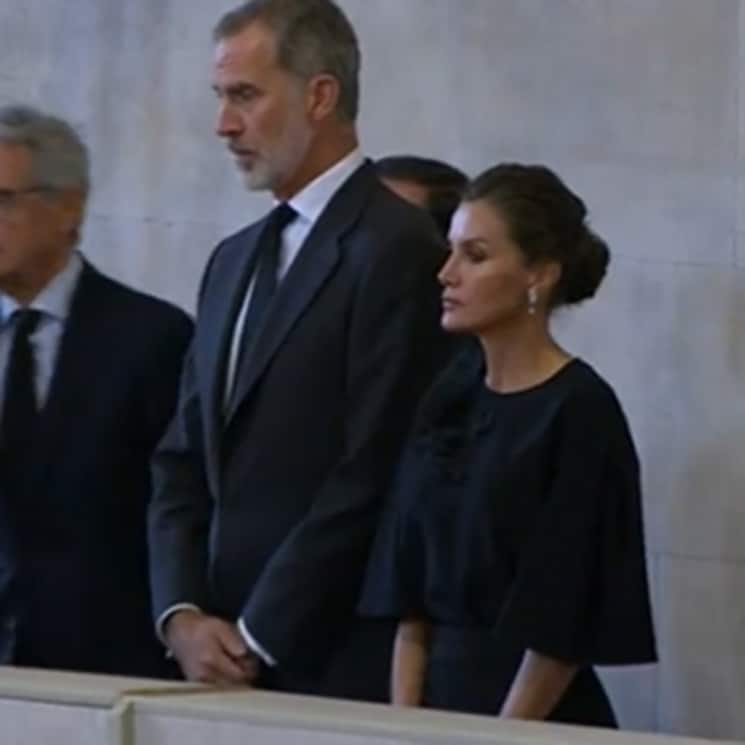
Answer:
(124, 304)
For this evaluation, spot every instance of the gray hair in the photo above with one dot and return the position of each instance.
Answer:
(60, 158)
(314, 37)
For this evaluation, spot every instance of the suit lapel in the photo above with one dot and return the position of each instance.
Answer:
(309, 272)
(73, 366)
(216, 326)
(307, 275)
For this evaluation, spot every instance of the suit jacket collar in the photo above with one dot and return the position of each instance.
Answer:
(313, 266)
(55, 299)
(311, 201)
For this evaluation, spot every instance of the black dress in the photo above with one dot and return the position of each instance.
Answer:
(515, 523)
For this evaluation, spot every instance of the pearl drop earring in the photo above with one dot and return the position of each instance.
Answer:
(532, 300)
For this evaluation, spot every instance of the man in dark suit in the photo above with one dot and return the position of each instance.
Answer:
(317, 333)
(88, 381)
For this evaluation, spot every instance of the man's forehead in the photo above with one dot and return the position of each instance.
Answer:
(15, 157)
(255, 45)
(15, 150)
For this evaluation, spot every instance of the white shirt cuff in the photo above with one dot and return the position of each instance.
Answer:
(254, 645)
(160, 624)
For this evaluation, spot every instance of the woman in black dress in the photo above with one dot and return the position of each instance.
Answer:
(512, 549)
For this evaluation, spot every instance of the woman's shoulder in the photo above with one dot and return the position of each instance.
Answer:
(591, 403)
(584, 385)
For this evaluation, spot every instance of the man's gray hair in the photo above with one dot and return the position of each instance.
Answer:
(314, 37)
(60, 158)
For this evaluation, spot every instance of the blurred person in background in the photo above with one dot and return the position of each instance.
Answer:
(433, 185)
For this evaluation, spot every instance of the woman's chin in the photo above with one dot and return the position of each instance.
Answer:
(452, 324)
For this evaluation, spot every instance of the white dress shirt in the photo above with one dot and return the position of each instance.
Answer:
(53, 302)
(308, 203)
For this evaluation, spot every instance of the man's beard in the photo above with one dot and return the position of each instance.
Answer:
(270, 172)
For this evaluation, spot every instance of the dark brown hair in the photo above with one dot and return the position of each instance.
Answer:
(444, 183)
(546, 220)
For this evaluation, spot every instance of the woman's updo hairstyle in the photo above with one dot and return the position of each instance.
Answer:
(546, 221)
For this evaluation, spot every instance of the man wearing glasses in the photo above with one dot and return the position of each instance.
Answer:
(88, 378)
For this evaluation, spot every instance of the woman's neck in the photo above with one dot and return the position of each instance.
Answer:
(520, 359)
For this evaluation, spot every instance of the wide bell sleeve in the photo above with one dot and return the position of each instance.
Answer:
(581, 592)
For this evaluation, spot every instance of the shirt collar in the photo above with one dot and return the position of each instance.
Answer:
(310, 201)
(55, 299)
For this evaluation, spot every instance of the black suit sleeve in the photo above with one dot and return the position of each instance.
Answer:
(180, 509)
(395, 348)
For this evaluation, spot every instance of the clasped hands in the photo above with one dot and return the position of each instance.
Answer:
(210, 650)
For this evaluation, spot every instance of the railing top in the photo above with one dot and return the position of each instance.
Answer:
(186, 701)
(79, 689)
(402, 725)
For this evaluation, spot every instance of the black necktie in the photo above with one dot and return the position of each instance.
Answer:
(265, 280)
(19, 413)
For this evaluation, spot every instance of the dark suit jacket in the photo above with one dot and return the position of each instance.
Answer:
(267, 513)
(73, 556)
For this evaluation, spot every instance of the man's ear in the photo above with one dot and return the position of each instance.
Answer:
(70, 205)
(322, 97)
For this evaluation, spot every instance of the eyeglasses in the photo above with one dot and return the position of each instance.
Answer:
(9, 198)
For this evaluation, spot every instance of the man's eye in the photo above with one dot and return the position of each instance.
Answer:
(243, 95)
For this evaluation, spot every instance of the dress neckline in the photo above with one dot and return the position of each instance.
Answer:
(556, 376)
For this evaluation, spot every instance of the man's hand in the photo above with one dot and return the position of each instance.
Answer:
(210, 650)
